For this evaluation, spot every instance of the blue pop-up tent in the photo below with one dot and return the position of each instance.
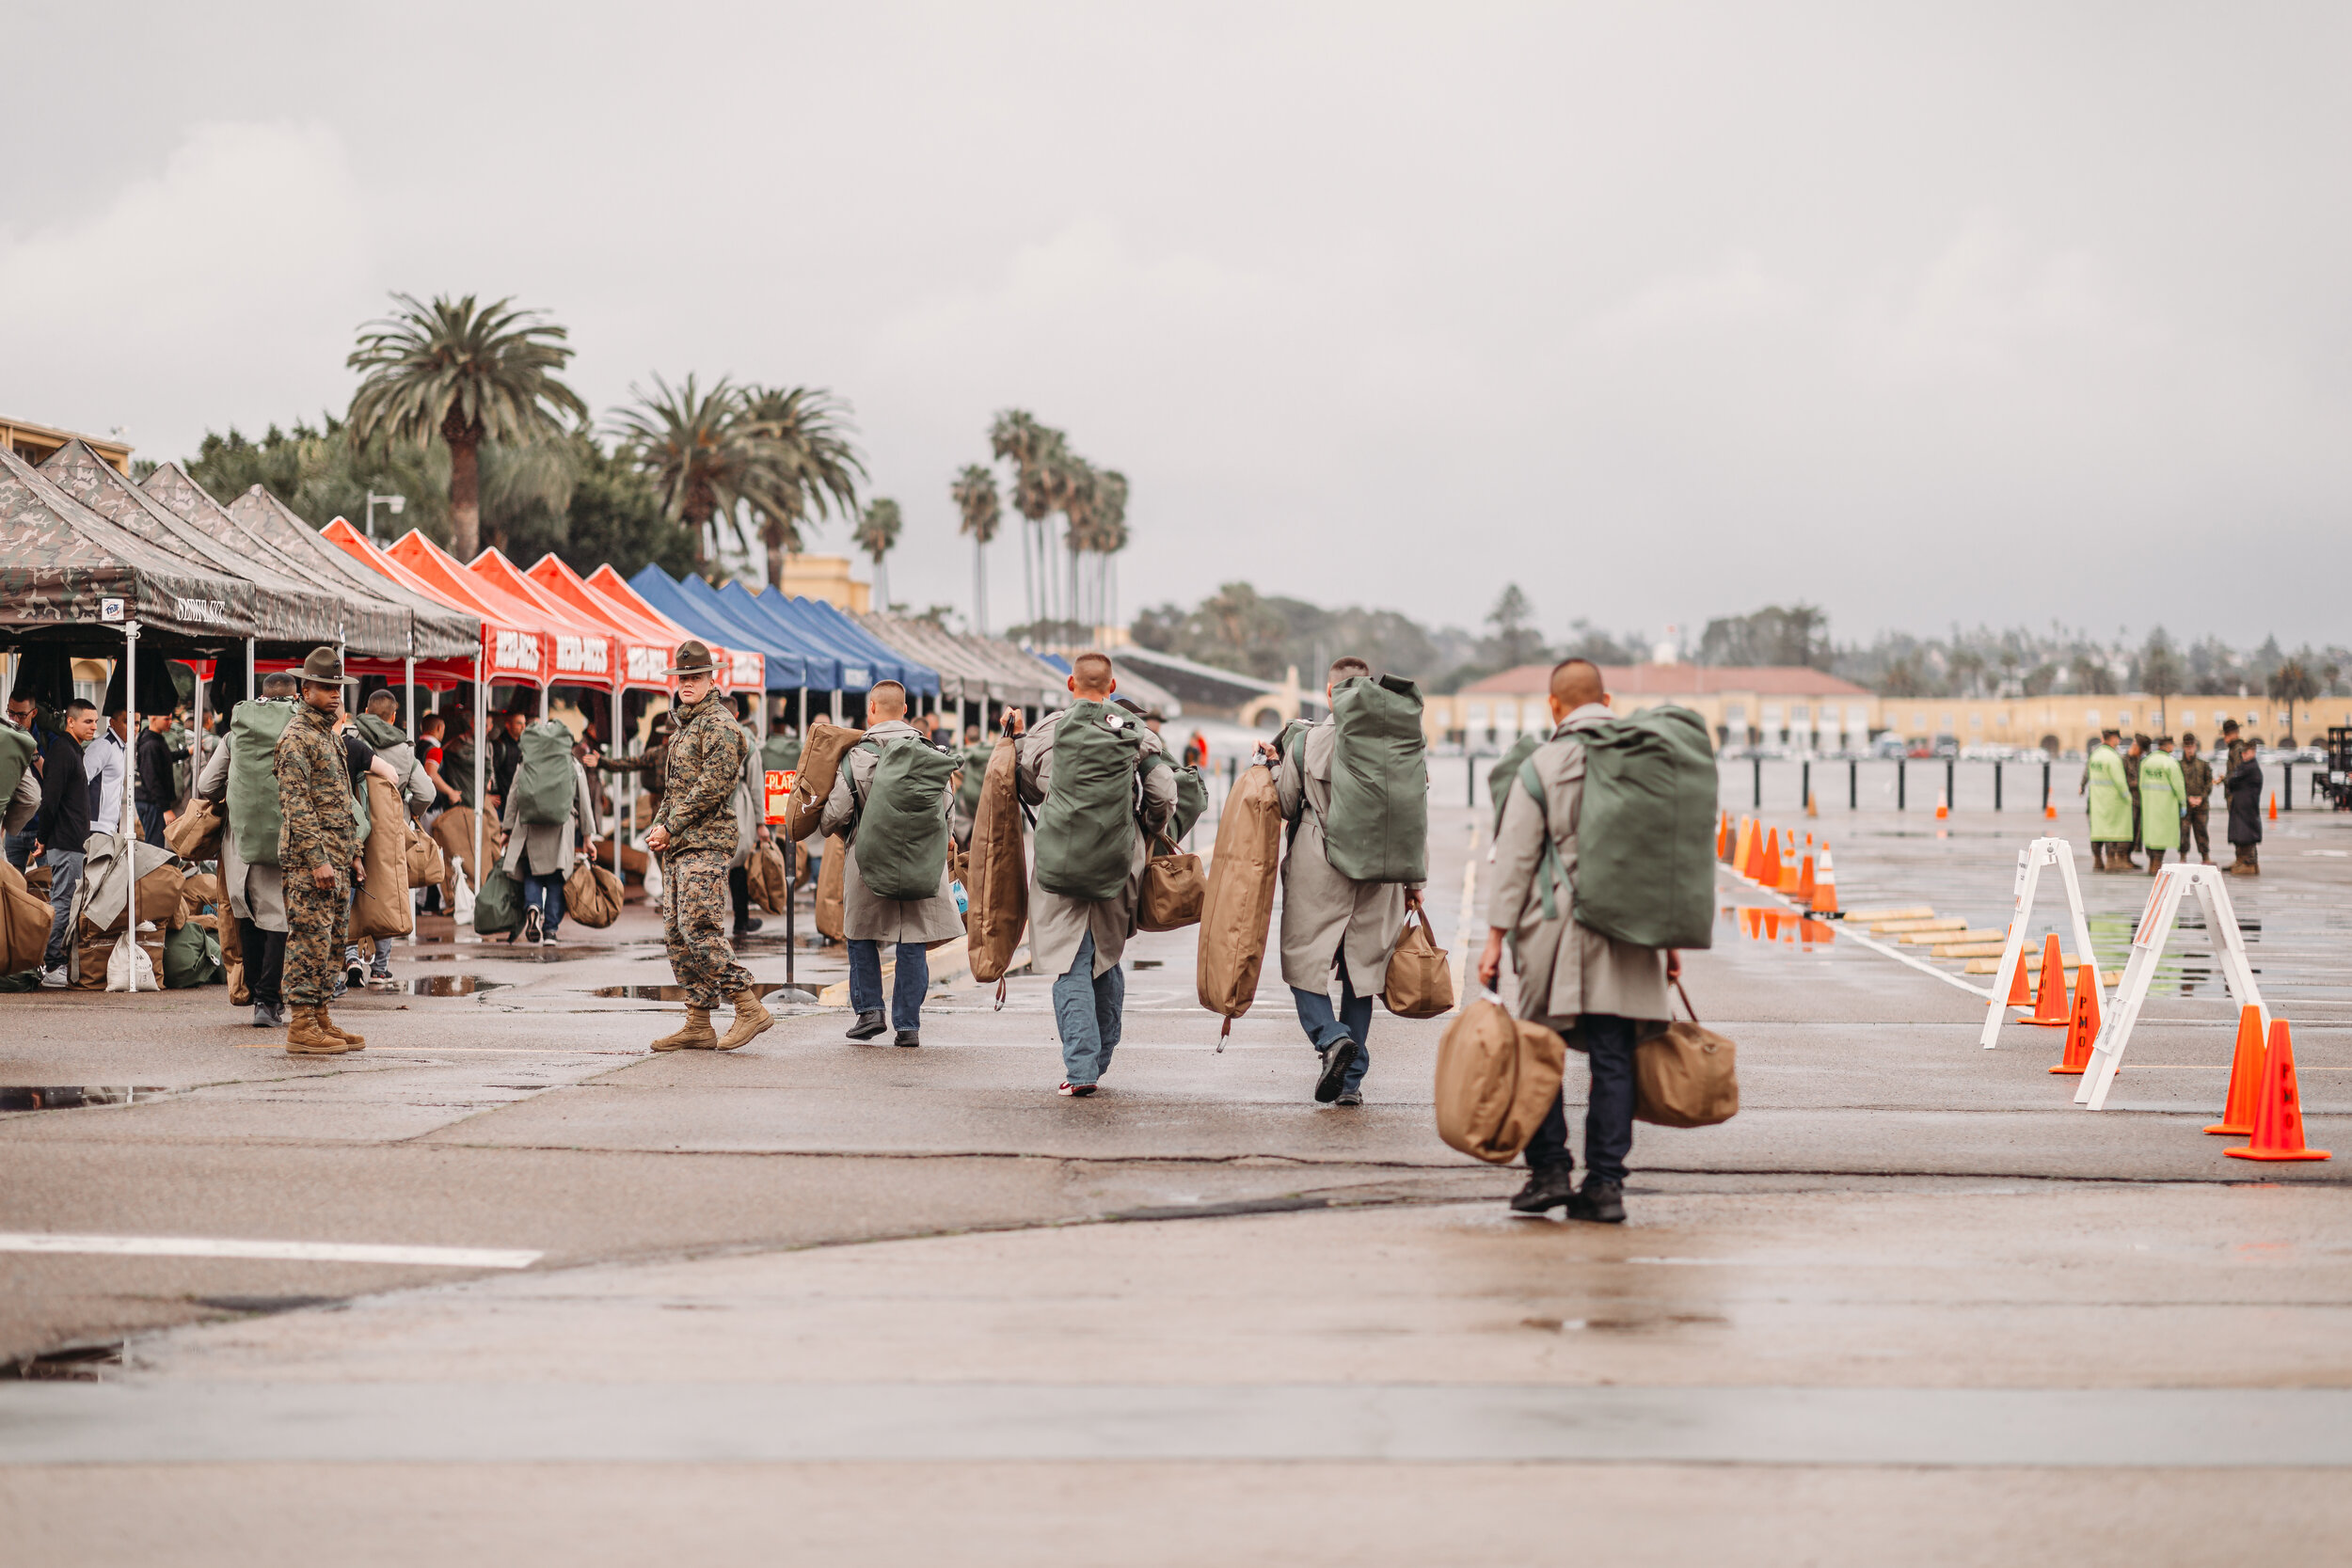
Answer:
(815, 629)
(828, 668)
(847, 633)
(706, 617)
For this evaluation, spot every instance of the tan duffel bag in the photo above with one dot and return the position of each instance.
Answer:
(830, 921)
(592, 895)
(1686, 1075)
(427, 865)
(768, 878)
(452, 831)
(24, 921)
(820, 760)
(195, 833)
(231, 936)
(380, 905)
(1174, 890)
(996, 871)
(1238, 903)
(1497, 1078)
(1420, 975)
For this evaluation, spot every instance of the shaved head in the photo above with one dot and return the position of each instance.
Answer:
(887, 700)
(1574, 683)
(1091, 675)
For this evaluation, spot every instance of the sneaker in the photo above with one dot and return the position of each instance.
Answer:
(1602, 1202)
(868, 1026)
(53, 979)
(266, 1017)
(354, 977)
(909, 1037)
(1076, 1091)
(1350, 1097)
(1337, 1059)
(1553, 1187)
(748, 923)
(535, 928)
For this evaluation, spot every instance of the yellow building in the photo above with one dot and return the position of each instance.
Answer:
(827, 578)
(35, 442)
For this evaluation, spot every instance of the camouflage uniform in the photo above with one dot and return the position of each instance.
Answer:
(321, 828)
(2131, 780)
(701, 771)
(2197, 780)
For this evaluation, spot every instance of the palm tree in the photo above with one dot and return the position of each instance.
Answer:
(878, 535)
(1075, 489)
(975, 495)
(1110, 533)
(702, 455)
(803, 434)
(468, 373)
(1036, 452)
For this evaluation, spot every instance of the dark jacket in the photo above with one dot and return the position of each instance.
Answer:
(154, 759)
(63, 820)
(506, 755)
(2246, 799)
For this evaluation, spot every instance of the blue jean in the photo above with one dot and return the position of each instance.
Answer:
(912, 979)
(151, 822)
(1608, 1044)
(1326, 1028)
(20, 850)
(1086, 1009)
(546, 895)
(65, 875)
(375, 952)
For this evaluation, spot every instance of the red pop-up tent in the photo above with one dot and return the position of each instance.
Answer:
(645, 644)
(513, 650)
(586, 653)
(744, 670)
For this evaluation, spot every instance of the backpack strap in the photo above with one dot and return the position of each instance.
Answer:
(1548, 874)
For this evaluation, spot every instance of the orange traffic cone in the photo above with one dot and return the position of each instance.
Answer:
(2082, 1029)
(2049, 812)
(1743, 846)
(1723, 838)
(2279, 1111)
(1812, 806)
(1764, 863)
(1943, 807)
(2020, 989)
(2245, 1076)
(1791, 870)
(1825, 885)
(2050, 1008)
(1805, 884)
(2274, 817)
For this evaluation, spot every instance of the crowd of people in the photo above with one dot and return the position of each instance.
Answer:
(2145, 797)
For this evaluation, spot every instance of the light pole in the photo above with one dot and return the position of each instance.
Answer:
(391, 503)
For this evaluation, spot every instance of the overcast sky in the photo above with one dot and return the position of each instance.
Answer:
(1665, 312)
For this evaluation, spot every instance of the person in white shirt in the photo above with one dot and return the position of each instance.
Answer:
(103, 759)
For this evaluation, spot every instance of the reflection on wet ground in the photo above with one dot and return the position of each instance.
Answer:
(82, 1364)
(452, 985)
(1763, 923)
(677, 993)
(16, 1097)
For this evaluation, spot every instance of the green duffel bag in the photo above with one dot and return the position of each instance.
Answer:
(1646, 832)
(192, 957)
(1506, 771)
(544, 789)
(254, 728)
(975, 775)
(1192, 798)
(16, 755)
(497, 905)
(902, 832)
(1378, 830)
(1086, 832)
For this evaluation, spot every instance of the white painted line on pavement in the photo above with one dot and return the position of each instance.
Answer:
(1750, 884)
(288, 1252)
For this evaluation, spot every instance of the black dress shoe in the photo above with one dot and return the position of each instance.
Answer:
(868, 1026)
(1337, 1059)
(1602, 1202)
(1553, 1187)
(748, 923)
(909, 1037)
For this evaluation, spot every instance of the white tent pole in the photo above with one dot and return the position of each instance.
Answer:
(481, 748)
(251, 645)
(128, 825)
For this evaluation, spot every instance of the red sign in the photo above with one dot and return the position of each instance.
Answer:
(780, 783)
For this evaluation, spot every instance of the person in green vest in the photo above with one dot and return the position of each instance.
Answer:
(2110, 806)
(2163, 792)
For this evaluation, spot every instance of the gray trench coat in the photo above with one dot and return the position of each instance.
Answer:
(549, 845)
(1322, 908)
(1563, 969)
(255, 893)
(1058, 923)
(865, 917)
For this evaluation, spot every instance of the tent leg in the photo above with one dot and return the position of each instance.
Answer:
(481, 748)
(409, 681)
(128, 820)
(251, 644)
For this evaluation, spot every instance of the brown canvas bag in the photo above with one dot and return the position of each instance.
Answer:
(592, 895)
(1421, 978)
(1497, 1078)
(380, 905)
(820, 760)
(426, 864)
(1174, 888)
(1686, 1075)
(24, 920)
(1239, 901)
(195, 833)
(830, 920)
(996, 867)
(452, 831)
(231, 936)
(197, 889)
(768, 878)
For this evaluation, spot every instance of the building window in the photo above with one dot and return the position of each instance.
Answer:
(1735, 713)
(1975, 720)
(1798, 710)
(2090, 716)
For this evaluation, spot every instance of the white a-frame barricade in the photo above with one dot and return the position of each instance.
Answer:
(2030, 859)
(2155, 923)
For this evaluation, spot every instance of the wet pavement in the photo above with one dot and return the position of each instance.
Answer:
(921, 1268)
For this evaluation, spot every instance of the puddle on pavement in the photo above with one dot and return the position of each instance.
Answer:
(82, 1364)
(1147, 963)
(69, 1097)
(262, 1306)
(1764, 924)
(677, 993)
(452, 985)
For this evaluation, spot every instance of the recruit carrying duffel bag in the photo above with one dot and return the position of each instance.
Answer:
(901, 823)
(820, 760)
(254, 729)
(1086, 832)
(1238, 905)
(545, 791)
(380, 905)
(996, 867)
(1646, 829)
(1497, 1078)
(1379, 828)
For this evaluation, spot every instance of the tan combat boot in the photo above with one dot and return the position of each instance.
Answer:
(327, 1023)
(303, 1038)
(750, 1019)
(696, 1034)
